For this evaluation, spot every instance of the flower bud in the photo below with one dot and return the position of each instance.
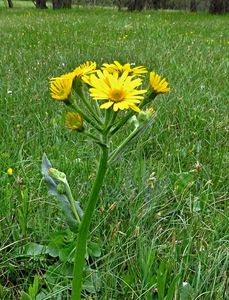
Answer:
(145, 115)
(61, 188)
(55, 174)
(74, 121)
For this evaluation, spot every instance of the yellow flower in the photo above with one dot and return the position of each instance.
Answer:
(84, 69)
(74, 121)
(61, 87)
(10, 171)
(158, 84)
(117, 67)
(119, 91)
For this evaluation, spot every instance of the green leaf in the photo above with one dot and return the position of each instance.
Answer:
(25, 296)
(94, 249)
(196, 205)
(182, 181)
(34, 249)
(133, 136)
(92, 283)
(161, 280)
(33, 289)
(56, 243)
(186, 292)
(172, 288)
(61, 196)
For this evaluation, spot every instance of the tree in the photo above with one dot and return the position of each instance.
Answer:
(10, 3)
(41, 4)
(57, 4)
(136, 5)
(193, 6)
(217, 6)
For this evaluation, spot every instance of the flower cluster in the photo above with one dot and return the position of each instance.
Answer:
(102, 101)
(114, 87)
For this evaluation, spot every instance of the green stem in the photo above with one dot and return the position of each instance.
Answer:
(86, 118)
(122, 122)
(88, 106)
(119, 149)
(147, 99)
(85, 225)
(72, 203)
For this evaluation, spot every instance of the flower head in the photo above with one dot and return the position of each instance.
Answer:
(85, 69)
(10, 171)
(119, 91)
(61, 87)
(74, 121)
(117, 67)
(158, 84)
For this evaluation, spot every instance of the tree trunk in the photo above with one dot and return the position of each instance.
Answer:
(193, 6)
(41, 4)
(136, 5)
(10, 3)
(67, 4)
(58, 4)
(118, 4)
(156, 4)
(217, 7)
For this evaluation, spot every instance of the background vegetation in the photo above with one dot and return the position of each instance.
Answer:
(162, 220)
(213, 6)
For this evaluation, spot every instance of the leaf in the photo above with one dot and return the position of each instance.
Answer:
(61, 197)
(25, 296)
(172, 288)
(182, 181)
(33, 289)
(94, 249)
(56, 243)
(137, 132)
(34, 249)
(196, 205)
(92, 283)
(186, 292)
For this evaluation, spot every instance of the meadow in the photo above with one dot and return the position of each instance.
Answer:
(161, 225)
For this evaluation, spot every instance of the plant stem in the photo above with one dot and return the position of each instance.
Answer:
(72, 203)
(86, 118)
(119, 149)
(85, 226)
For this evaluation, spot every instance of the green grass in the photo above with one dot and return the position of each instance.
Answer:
(178, 225)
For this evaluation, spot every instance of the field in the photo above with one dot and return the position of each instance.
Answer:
(161, 225)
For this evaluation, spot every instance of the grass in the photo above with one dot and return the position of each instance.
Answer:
(147, 229)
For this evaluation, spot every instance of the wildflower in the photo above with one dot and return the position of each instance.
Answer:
(158, 84)
(10, 171)
(61, 87)
(85, 69)
(120, 92)
(117, 67)
(74, 121)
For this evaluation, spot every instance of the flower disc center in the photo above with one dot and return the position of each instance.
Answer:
(117, 95)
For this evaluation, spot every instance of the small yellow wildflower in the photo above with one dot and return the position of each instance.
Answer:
(158, 84)
(85, 69)
(10, 171)
(117, 67)
(119, 92)
(61, 87)
(74, 121)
